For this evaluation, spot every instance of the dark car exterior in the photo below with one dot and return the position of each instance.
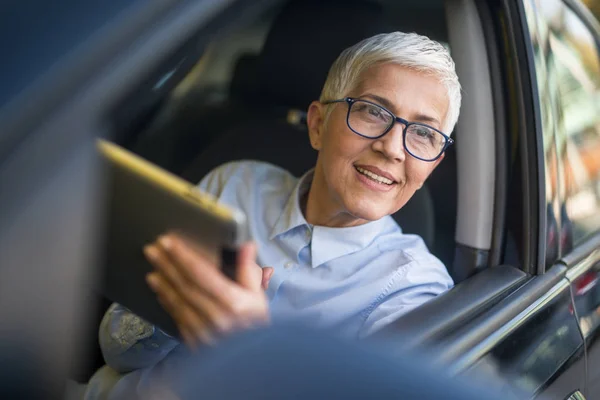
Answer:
(525, 312)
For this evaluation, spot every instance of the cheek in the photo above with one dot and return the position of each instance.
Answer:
(416, 173)
(341, 145)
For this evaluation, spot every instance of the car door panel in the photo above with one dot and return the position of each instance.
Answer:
(522, 335)
(541, 350)
(528, 344)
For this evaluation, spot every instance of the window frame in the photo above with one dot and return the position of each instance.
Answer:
(523, 116)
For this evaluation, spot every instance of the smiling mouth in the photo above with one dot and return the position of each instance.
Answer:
(374, 177)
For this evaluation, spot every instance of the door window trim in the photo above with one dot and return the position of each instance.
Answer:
(539, 290)
(492, 42)
(529, 131)
(580, 253)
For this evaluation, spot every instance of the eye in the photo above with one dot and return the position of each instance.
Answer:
(373, 112)
(424, 135)
(424, 132)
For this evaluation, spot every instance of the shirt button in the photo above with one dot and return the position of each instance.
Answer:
(308, 234)
(288, 265)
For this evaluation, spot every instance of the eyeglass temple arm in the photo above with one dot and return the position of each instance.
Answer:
(344, 100)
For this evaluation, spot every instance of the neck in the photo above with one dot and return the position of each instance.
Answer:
(321, 208)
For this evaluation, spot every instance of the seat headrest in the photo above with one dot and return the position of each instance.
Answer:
(243, 80)
(305, 39)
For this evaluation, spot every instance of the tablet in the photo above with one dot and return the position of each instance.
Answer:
(143, 202)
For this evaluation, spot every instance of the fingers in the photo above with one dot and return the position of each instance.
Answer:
(196, 271)
(199, 268)
(199, 297)
(193, 327)
(197, 300)
(212, 258)
(160, 260)
(248, 273)
(267, 273)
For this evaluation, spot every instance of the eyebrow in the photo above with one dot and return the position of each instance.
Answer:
(390, 106)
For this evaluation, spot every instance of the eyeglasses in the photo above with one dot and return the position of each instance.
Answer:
(373, 121)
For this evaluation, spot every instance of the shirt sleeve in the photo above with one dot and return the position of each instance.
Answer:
(151, 382)
(412, 285)
(215, 181)
(128, 342)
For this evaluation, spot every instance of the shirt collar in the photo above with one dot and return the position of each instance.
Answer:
(291, 216)
(328, 243)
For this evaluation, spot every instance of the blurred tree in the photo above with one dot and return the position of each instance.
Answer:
(594, 6)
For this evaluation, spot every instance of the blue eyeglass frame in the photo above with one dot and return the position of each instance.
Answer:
(351, 100)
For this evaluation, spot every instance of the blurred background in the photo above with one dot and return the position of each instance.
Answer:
(594, 6)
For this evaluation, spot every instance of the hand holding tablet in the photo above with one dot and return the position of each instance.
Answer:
(197, 237)
(205, 304)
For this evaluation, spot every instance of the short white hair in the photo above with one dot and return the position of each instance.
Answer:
(409, 50)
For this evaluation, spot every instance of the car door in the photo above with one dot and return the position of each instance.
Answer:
(544, 352)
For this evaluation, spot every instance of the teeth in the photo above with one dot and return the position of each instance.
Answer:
(373, 176)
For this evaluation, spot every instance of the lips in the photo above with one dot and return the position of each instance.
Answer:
(376, 172)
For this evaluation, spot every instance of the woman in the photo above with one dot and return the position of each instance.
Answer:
(337, 259)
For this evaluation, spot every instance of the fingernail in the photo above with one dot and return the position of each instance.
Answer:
(151, 252)
(165, 242)
(152, 281)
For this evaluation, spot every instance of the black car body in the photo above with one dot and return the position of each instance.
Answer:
(513, 211)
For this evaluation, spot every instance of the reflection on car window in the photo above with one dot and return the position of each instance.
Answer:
(573, 67)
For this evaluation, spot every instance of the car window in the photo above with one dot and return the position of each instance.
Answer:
(571, 65)
(578, 71)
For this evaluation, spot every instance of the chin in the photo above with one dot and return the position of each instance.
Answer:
(367, 211)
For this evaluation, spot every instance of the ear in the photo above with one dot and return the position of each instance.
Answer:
(315, 120)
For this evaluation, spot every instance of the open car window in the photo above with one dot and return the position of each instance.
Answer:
(226, 88)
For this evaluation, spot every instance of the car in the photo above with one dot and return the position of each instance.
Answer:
(513, 211)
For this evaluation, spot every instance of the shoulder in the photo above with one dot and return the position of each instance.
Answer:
(414, 262)
(245, 174)
(249, 168)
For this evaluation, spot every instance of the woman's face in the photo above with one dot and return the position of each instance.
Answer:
(340, 194)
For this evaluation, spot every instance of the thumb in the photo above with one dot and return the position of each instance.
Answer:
(267, 273)
(249, 274)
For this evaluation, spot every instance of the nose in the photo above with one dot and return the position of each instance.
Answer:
(391, 145)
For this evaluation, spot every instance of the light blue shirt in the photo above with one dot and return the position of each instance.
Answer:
(352, 280)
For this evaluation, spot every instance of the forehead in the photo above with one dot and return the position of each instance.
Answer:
(409, 92)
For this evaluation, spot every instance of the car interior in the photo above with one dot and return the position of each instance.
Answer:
(246, 100)
(242, 93)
